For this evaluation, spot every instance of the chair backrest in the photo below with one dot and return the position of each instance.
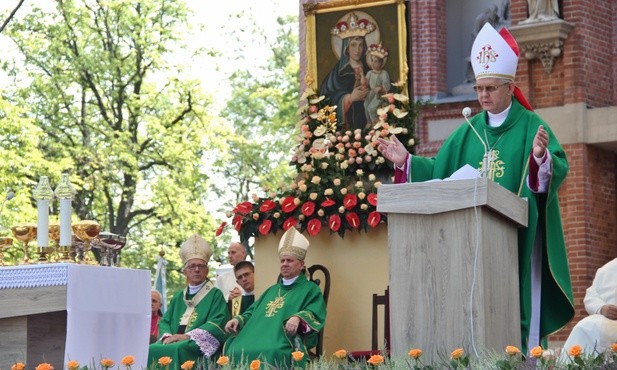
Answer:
(320, 275)
(381, 300)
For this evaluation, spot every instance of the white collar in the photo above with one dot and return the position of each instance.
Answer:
(289, 281)
(195, 288)
(495, 120)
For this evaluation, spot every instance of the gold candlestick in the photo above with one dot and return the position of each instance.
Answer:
(5, 242)
(54, 237)
(25, 232)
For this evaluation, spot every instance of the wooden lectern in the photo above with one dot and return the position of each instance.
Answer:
(453, 257)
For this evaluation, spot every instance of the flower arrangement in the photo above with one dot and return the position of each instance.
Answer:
(339, 172)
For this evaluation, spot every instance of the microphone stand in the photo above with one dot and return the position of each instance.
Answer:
(486, 160)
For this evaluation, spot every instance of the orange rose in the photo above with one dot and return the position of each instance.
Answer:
(536, 352)
(128, 360)
(44, 366)
(375, 360)
(18, 366)
(575, 351)
(223, 360)
(341, 353)
(511, 350)
(165, 361)
(255, 364)
(107, 363)
(297, 356)
(187, 365)
(415, 353)
(457, 353)
(72, 365)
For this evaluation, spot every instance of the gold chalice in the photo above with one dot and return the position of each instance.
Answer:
(25, 232)
(5, 242)
(86, 230)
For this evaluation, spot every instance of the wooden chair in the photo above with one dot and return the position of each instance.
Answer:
(315, 272)
(378, 300)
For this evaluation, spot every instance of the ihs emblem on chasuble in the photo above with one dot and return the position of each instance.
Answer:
(273, 306)
(497, 166)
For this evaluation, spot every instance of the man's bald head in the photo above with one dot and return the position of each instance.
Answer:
(236, 253)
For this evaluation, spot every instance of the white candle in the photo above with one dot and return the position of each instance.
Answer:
(42, 227)
(66, 231)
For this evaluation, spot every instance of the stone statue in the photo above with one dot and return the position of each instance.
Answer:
(542, 10)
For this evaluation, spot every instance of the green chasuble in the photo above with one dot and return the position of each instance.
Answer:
(210, 314)
(262, 334)
(511, 144)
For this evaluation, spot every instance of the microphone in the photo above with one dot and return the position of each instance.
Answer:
(486, 160)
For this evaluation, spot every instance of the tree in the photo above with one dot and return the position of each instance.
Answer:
(125, 123)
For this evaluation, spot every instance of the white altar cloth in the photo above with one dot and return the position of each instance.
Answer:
(108, 309)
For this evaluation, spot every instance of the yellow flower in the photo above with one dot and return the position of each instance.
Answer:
(457, 353)
(44, 366)
(375, 360)
(536, 352)
(18, 366)
(107, 363)
(511, 350)
(341, 353)
(187, 365)
(223, 360)
(72, 365)
(165, 361)
(575, 351)
(128, 360)
(614, 347)
(415, 353)
(255, 364)
(297, 355)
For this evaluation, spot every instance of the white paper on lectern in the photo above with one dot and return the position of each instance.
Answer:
(464, 173)
(108, 314)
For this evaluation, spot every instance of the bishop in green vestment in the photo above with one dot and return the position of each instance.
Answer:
(192, 328)
(527, 159)
(286, 318)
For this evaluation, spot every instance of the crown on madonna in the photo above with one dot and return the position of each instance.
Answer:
(352, 27)
(378, 50)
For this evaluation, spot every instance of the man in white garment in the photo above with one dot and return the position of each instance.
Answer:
(596, 332)
(226, 282)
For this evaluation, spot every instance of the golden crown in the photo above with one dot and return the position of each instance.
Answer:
(378, 50)
(352, 27)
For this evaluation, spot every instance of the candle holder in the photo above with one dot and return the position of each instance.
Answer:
(5, 242)
(54, 237)
(85, 231)
(25, 232)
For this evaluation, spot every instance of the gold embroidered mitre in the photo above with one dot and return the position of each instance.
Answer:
(293, 244)
(195, 247)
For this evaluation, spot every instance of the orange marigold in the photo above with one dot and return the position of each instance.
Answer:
(72, 365)
(575, 351)
(128, 360)
(44, 366)
(187, 365)
(18, 366)
(223, 360)
(164, 361)
(107, 362)
(375, 360)
(511, 350)
(255, 364)
(614, 347)
(341, 353)
(457, 353)
(297, 355)
(536, 352)
(415, 353)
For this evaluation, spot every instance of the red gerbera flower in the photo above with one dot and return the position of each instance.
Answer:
(350, 201)
(265, 226)
(243, 208)
(353, 220)
(219, 231)
(288, 204)
(334, 222)
(290, 222)
(308, 208)
(267, 205)
(372, 199)
(313, 227)
(374, 218)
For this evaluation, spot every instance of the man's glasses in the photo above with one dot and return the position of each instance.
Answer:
(245, 275)
(489, 88)
(196, 267)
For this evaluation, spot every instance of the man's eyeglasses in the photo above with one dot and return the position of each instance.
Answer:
(489, 88)
(196, 267)
(245, 275)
